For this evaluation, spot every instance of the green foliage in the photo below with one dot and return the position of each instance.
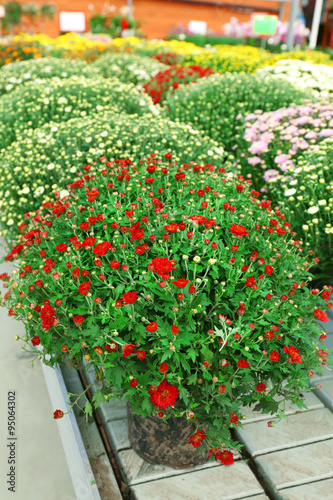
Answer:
(214, 104)
(128, 67)
(134, 269)
(32, 105)
(17, 73)
(46, 159)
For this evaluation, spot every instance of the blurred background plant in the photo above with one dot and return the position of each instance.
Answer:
(114, 24)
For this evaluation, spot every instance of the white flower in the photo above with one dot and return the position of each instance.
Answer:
(290, 192)
(196, 259)
(322, 203)
(40, 190)
(211, 262)
(50, 166)
(305, 227)
(313, 210)
(10, 222)
(64, 193)
(26, 190)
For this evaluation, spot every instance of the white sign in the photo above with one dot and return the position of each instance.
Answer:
(197, 27)
(2, 11)
(74, 21)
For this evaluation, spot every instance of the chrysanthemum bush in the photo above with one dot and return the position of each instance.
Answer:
(273, 140)
(302, 74)
(44, 160)
(213, 103)
(185, 291)
(19, 51)
(32, 105)
(16, 73)
(229, 58)
(167, 81)
(168, 58)
(128, 67)
(306, 194)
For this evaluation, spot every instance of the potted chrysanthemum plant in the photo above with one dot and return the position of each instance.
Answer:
(186, 292)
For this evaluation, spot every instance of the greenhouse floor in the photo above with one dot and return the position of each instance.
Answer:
(292, 461)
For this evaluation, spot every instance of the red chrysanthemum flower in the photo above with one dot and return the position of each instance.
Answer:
(62, 247)
(242, 363)
(261, 387)
(294, 354)
(128, 350)
(180, 282)
(238, 230)
(197, 438)
(84, 288)
(233, 418)
(129, 298)
(226, 457)
(250, 281)
(137, 234)
(325, 294)
(133, 383)
(48, 317)
(161, 266)
(102, 248)
(35, 340)
(152, 327)
(164, 368)
(165, 395)
(269, 270)
(274, 356)
(58, 414)
(174, 329)
(78, 320)
(199, 219)
(140, 355)
(171, 228)
(321, 315)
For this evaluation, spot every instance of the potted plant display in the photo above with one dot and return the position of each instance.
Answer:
(185, 289)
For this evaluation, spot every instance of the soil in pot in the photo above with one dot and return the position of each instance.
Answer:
(161, 443)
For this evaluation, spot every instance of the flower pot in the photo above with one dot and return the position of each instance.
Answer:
(161, 443)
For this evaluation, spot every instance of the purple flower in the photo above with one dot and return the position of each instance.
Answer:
(254, 160)
(271, 175)
(281, 158)
(326, 132)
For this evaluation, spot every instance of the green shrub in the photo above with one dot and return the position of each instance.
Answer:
(16, 73)
(47, 159)
(128, 67)
(213, 104)
(305, 195)
(32, 105)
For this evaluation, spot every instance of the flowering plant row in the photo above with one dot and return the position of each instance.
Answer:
(33, 104)
(302, 74)
(213, 103)
(37, 70)
(128, 67)
(44, 160)
(275, 138)
(165, 82)
(168, 58)
(306, 194)
(183, 288)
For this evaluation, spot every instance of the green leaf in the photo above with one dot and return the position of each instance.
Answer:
(88, 409)
(98, 398)
(207, 354)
